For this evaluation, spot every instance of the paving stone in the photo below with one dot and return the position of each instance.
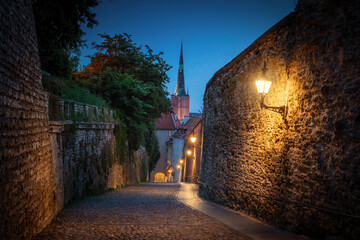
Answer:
(142, 211)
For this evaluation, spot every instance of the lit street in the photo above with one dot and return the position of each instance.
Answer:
(180, 120)
(143, 211)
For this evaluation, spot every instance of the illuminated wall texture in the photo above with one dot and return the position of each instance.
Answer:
(302, 173)
(43, 164)
(192, 165)
(27, 201)
(180, 105)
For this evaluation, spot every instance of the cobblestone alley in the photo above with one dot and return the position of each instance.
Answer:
(143, 211)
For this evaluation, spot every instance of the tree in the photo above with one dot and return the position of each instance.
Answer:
(133, 82)
(125, 93)
(58, 27)
(152, 147)
(121, 54)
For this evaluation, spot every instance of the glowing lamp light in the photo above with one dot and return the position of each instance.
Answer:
(263, 85)
(193, 139)
(178, 166)
(181, 161)
(189, 152)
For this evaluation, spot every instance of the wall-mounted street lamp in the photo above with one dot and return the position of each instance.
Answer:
(181, 161)
(189, 152)
(193, 139)
(263, 85)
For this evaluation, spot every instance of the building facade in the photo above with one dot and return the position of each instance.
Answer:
(165, 127)
(173, 131)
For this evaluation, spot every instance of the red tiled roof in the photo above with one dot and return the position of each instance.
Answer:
(167, 122)
(185, 130)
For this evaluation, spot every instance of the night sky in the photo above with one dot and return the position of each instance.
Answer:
(213, 32)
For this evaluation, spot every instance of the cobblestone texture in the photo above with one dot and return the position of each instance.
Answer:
(143, 211)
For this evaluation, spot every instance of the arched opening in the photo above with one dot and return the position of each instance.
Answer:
(159, 177)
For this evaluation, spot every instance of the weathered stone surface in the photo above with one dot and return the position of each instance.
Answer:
(87, 157)
(43, 166)
(27, 189)
(142, 211)
(287, 172)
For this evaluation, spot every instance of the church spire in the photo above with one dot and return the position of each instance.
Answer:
(180, 85)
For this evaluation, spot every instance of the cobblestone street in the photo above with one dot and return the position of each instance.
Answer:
(143, 211)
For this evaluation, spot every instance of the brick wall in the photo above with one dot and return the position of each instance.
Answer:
(27, 189)
(302, 173)
(180, 105)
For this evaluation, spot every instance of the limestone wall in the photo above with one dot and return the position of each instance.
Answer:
(89, 158)
(45, 164)
(302, 173)
(27, 201)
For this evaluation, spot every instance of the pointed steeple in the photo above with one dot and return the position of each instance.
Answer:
(180, 84)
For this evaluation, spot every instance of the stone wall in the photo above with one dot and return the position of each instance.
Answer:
(27, 189)
(45, 164)
(301, 173)
(89, 159)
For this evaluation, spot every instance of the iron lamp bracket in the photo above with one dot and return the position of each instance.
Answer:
(282, 109)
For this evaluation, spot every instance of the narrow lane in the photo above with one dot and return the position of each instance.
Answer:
(143, 211)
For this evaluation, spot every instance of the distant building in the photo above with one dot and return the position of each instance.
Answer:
(181, 144)
(173, 131)
(165, 127)
(180, 100)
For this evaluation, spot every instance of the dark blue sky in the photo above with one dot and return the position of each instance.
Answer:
(213, 32)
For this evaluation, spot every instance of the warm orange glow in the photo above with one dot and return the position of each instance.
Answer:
(193, 139)
(263, 85)
(178, 166)
(181, 161)
(189, 152)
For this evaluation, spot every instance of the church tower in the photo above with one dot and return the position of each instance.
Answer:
(180, 100)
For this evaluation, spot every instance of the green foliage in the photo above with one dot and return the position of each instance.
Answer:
(125, 94)
(54, 85)
(73, 91)
(122, 55)
(55, 113)
(120, 140)
(59, 34)
(133, 82)
(152, 146)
